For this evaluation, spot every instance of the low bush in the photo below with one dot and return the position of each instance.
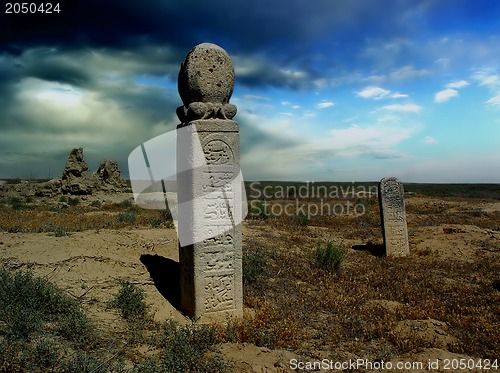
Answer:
(185, 348)
(126, 218)
(16, 203)
(130, 301)
(28, 304)
(302, 219)
(73, 201)
(96, 203)
(253, 267)
(328, 255)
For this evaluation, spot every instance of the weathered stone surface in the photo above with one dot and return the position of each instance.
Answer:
(206, 75)
(49, 188)
(209, 198)
(75, 179)
(206, 83)
(393, 217)
(108, 177)
(75, 165)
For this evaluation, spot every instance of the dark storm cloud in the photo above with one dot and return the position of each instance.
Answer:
(280, 32)
(122, 24)
(291, 43)
(260, 72)
(54, 70)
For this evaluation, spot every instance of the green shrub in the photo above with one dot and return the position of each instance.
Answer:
(328, 256)
(16, 203)
(96, 203)
(253, 267)
(29, 305)
(46, 354)
(185, 349)
(73, 201)
(126, 218)
(63, 199)
(126, 203)
(130, 301)
(82, 361)
(163, 219)
(303, 219)
(59, 232)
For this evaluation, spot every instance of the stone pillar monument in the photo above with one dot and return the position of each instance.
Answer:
(209, 187)
(393, 217)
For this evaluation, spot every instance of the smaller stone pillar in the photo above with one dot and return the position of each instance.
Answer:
(393, 217)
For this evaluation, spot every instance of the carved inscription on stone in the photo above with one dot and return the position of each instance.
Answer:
(393, 216)
(217, 152)
(219, 293)
(218, 254)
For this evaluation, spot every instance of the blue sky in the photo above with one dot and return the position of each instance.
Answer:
(327, 90)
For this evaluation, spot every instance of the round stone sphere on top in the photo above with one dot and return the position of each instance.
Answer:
(206, 75)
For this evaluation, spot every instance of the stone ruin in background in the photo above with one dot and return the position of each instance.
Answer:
(75, 180)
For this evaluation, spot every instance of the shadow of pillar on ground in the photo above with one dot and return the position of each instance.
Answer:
(372, 248)
(165, 274)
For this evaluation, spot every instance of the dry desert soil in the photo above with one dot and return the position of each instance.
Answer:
(440, 304)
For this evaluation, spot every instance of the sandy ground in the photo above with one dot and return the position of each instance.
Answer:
(89, 264)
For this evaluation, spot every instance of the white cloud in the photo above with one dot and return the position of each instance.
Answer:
(60, 94)
(310, 154)
(413, 108)
(494, 100)
(296, 107)
(375, 78)
(487, 77)
(458, 84)
(445, 95)
(443, 62)
(408, 72)
(309, 114)
(295, 74)
(467, 167)
(320, 83)
(430, 140)
(490, 79)
(324, 105)
(371, 140)
(375, 93)
(256, 98)
(388, 118)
